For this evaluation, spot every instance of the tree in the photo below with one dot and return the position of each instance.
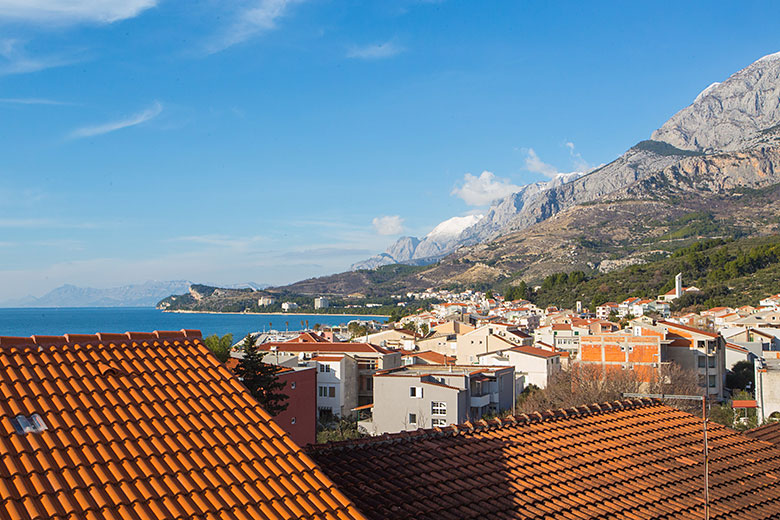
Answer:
(489, 294)
(220, 347)
(738, 419)
(585, 384)
(261, 378)
(424, 329)
(338, 429)
(741, 376)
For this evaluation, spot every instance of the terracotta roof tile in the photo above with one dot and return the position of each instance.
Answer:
(629, 459)
(144, 425)
(768, 432)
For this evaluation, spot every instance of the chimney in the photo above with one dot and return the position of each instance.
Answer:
(678, 285)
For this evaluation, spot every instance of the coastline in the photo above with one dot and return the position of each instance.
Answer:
(279, 313)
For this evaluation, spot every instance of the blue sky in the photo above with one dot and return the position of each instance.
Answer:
(228, 141)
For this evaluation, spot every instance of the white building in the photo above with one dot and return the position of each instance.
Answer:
(535, 365)
(289, 306)
(321, 302)
(266, 300)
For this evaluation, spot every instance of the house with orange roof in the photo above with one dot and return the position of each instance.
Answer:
(427, 357)
(562, 336)
(344, 370)
(604, 310)
(699, 351)
(533, 366)
(426, 396)
(488, 338)
(144, 425)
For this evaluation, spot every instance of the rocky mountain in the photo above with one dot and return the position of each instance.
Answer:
(146, 294)
(442, 240)
(456, 232)
(712, 170)
(731, 115)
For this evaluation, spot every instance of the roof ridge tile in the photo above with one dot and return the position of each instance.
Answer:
(482, 425)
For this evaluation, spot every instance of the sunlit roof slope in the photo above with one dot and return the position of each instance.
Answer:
(144, 426)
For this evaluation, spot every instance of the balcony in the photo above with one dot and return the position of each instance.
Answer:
(479, 401)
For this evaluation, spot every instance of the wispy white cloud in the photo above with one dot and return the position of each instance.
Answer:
(534, 164)
(136, 119)
(376, 51)
(32, 101)
(482, 190)
(71, 11)
(15, 60)
(261, 16)
(580, 164)
(388, 225)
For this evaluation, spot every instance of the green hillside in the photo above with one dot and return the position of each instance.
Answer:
(729, 272)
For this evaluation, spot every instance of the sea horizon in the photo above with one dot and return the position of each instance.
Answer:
(29, 321)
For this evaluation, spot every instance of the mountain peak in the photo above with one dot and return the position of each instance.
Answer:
(453, 227)
(730, 115)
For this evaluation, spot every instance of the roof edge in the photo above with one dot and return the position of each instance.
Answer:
(39, 340)
(492, 424)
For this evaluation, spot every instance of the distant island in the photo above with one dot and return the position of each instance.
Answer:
(205, 298)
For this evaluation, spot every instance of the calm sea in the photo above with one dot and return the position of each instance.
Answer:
(26, 322)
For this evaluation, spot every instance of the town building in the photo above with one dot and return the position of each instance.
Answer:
(427, 396)
(321, 302)
(344, 370)
(289, 306)
(488, 338)
(533, 366)
(767, 377)
(264, 301)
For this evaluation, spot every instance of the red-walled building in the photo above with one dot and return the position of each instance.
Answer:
(300, 417)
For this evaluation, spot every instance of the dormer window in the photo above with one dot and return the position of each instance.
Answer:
(32, 424)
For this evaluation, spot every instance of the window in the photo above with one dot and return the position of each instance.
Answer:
(713, 382)
(413, 419)
(416, 391)
(701, 361)
(327, 391)
(292, 385)
(331, 391)
(438, 422)
(712, 361)
(438, 408)
(324, 368)
(292, 421)
(32, 424)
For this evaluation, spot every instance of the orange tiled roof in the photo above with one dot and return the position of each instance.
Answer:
(433, 357)
(323, 347)
(767, 433)
(140, 426)
(630, 459)
(535, 351)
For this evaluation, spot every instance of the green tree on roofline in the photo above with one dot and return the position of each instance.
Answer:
(260, 378)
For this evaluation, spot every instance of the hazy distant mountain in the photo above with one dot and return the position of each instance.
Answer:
(136, 295)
